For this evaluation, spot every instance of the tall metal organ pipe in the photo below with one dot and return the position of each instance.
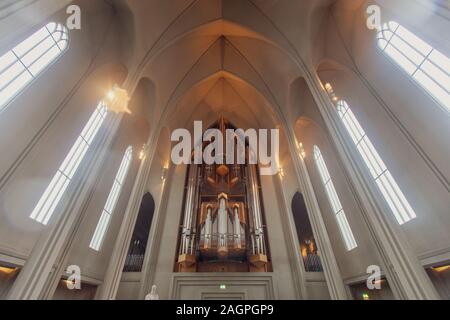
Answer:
(256, 209)
(189, 212)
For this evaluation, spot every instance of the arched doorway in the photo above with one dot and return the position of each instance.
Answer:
(138, 245)
(305, 235)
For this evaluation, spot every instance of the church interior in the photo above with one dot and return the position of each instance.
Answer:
(93, 207)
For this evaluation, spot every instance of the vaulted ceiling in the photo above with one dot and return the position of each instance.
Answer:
(206, 58)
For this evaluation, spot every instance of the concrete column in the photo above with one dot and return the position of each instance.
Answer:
(332, 273)
(108, 290)
(404, 271)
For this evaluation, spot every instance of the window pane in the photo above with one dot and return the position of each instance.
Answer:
(401, 60)
(14, 87)
(440, 94)
(111, 202)
(38, 51)
(440, 60)
(429, 67)
(54, 192)
(26, 60)
(347, 233)
(44, 61)
(31, 42)
(10, 74)
(371, 157)
(6, 60)
(437, 74)
(330, 190)
(96, 241)
(396, 200)
(407, 50)
(414, 41)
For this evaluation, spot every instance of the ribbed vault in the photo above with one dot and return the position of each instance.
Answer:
(208, 58)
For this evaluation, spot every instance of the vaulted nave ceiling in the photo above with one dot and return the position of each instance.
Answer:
(205, 58)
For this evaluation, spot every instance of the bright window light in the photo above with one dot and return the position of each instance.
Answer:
(57, 187)
(341, 218)
(398, 203)
(23, 63)
(111, 202)
(429, 67)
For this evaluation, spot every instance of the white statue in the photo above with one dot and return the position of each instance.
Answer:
(152, 295)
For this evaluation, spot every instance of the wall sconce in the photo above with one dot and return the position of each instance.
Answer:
(143, 152)
(164, 173)
(302, 150)
(7, 271)
(281, 172)
(331, 93)
(117, 100)
(441, 269)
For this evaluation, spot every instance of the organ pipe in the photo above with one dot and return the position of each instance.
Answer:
(256, 209)
(189, 211)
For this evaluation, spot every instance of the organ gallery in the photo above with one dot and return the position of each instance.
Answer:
(222, 227)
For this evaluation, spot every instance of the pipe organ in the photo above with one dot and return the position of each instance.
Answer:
(222, 226)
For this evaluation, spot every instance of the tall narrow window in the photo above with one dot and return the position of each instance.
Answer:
(429, 67)
(386, 183)
(23, 63)
(346, 231)
(54, 192)
(111, 202)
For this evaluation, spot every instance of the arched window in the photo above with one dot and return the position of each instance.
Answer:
(54, 192)
(429, 67)
(111, 202)
(23, 63)
(385, 182)
(346, 231)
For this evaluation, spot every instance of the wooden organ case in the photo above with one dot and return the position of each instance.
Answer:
(223, 226)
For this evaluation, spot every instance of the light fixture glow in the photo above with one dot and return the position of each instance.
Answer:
(7, 271)
(331, 93)
(117, 100)
(441, 269)
(164, 172)
(111, 95)
(143, 152)
(281, 172)
(302, 150)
